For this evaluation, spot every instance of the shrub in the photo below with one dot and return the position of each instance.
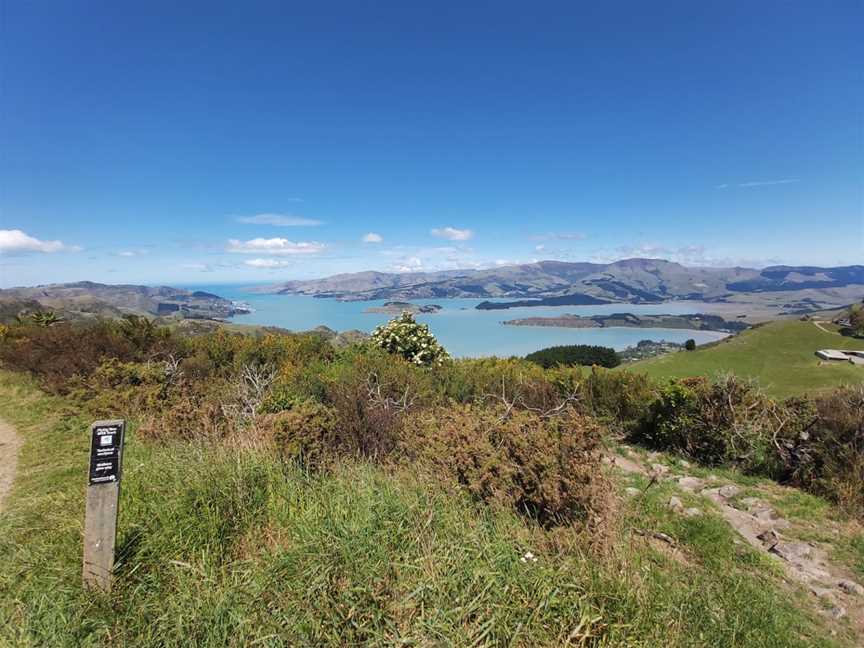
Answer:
(619, 398)
(307, 432)
(514, 380)
(57, 354)
(727, 421)
(575, 354)
(413, 341)
(830, 450)
(546, 468)
(690, 345)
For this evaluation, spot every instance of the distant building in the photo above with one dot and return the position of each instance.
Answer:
(855, 357)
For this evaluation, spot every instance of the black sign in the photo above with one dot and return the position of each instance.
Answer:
(106, 451)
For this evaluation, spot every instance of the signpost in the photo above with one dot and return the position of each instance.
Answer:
(103, 494)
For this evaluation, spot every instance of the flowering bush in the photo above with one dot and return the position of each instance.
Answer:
(413, 341)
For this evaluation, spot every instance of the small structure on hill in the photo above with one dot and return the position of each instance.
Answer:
(855, 357)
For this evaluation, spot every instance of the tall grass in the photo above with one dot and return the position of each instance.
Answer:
(236, 548)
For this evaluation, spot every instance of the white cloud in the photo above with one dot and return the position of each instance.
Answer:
(759, 183)
(279, 220)
(267, 263)
(766, 183)
(278, 246)
(126, 253)
(200, 267)
(694, 256)
(560, 236)
(15, 241)
(452, 233)
(410, 264)
(372, 237)
(539, 248)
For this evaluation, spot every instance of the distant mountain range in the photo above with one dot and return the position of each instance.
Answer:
(635, 281)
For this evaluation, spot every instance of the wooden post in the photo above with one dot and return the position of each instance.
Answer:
(103, 495)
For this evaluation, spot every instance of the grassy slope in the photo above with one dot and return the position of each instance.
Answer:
(231, 549)
(780, 355)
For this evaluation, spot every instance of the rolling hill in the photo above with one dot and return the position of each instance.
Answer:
(780, 355)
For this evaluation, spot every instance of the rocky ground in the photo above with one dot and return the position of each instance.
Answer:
(800, 534)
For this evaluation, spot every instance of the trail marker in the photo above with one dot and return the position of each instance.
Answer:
(103, 495)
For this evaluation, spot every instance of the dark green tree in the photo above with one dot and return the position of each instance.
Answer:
(575, 354)
(690, 344)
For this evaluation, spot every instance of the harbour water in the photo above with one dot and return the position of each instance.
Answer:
(462, 329)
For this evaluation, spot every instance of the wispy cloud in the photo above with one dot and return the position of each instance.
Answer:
(688, 255)
(372, 237)
(277, 246)
(267, 263)
(559, 236)
(760, 183)
(200, 267)
(17, 242)
(279, 220)
(452, 233)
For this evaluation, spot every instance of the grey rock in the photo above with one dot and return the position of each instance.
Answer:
(692, 512)
(691, 484)
(822, 592)
(769, 538)
(632, 492)
(675, 504)
(729, 490)
(837, 612)
(851, 587)
(794, 552)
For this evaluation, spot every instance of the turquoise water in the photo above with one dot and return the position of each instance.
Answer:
(462, 329)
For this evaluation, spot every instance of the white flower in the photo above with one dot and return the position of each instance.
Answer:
(528, 557)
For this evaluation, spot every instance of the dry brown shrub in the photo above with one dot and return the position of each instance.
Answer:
(192, 411)
(547, 468)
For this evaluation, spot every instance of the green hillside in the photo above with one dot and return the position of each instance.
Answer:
(780, 355)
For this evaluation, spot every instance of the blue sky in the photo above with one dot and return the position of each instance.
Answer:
(217, 142)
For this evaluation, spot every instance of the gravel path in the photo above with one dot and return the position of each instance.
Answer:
(10, 443)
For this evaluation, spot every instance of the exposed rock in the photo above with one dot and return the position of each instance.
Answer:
(692, 512)
(851, 587)
(769, 539)
(838, 612)
(675, 504)
(822, 592)
(792, 551)
(632, 492)
(729, 490)
(691, 484)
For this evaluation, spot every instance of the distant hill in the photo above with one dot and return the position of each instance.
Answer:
(632, 281)
(89, 299)
(780, 355)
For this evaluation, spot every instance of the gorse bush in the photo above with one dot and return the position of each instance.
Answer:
(544, 467)
(817, 444)
(413, 341)
(316, 404)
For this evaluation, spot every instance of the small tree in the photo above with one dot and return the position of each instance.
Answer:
(856, 320)
(690, 344)
(404, 336)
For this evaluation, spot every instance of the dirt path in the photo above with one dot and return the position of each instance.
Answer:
(10, 444)
(807, 564)
(818, 324)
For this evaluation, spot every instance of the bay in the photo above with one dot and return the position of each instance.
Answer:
(462, 329)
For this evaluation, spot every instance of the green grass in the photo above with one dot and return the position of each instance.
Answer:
(230, 548)
(780, 355)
